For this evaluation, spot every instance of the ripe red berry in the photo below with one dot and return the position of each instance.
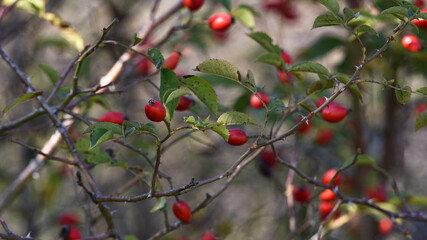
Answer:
(419, 3)
(182, 211)
(327, 177)
(376, 193)
(334, 113)
(282, 7)
(112, 117)
(385, 226)
(267, 156)
(286, 57)
(208, 236)
(421, 23)
(320, 101)
(155, 111)
(324, 136)
(256, 103)
(74, 234)
(421, 107)
(68, 219)
(145, 67)
(305, 127)
(172, 61)
(220, 21)
(237, 137)
(192, 5)
(325, 207)
(412, 43)
(185, 103)
(327, 195)
(301, 194)
(284, 77)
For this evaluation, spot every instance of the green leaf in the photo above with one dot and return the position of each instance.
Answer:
(190, 120)
(220, 68)
(314, 87)
(251, 9)
(136, 39)
(422, 90)
(129, 132)
(250, 80)
(168, 83)
(403, 97)
(415, 27)
(160, 205)
(172, 102)
(353, 87)
(422, 15)
(417, 200)
(233, 118)
(321, 47)
(113, 127)
(307, 104)
(51, 73)
(365, 28)
(272, 59)
(130, 237)
(156, 58)
(226, 4)
(348, 14)
(332, 5)
(97, 158)
(21, 99)
(148, 127)
(401, 11)
(365, 160)
(324, 20)
(99, 136)
(222, 131)
(32, 6)
(66, 30)
(265, 41)
(203, 90)
(308, 66)
(421, 121)
(398, 2)
(244, 16)
(276, 104)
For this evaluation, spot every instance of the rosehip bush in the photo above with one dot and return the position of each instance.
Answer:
(230, 105)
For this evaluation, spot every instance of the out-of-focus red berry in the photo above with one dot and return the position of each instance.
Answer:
(327, 177)
(385, 226)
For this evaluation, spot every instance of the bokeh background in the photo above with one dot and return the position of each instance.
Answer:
(254, 206)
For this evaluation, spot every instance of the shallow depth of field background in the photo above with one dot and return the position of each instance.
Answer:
(254, 207)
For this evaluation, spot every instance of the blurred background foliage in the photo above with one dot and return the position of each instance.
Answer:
(254, 207)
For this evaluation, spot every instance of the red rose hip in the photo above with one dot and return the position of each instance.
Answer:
(256, 103)
(185, 102)
(327, 177)
(192, 5)
(208, 236)
(237, 137)
(182, 211)
(327, 195)
(74, 234)
(301, 194)
(112, 117)
(385, 226)
(155, 111)
(334, 113)
(220, 21)
(324, 136)
(172, 61)
(412, 43)
(421, 23)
